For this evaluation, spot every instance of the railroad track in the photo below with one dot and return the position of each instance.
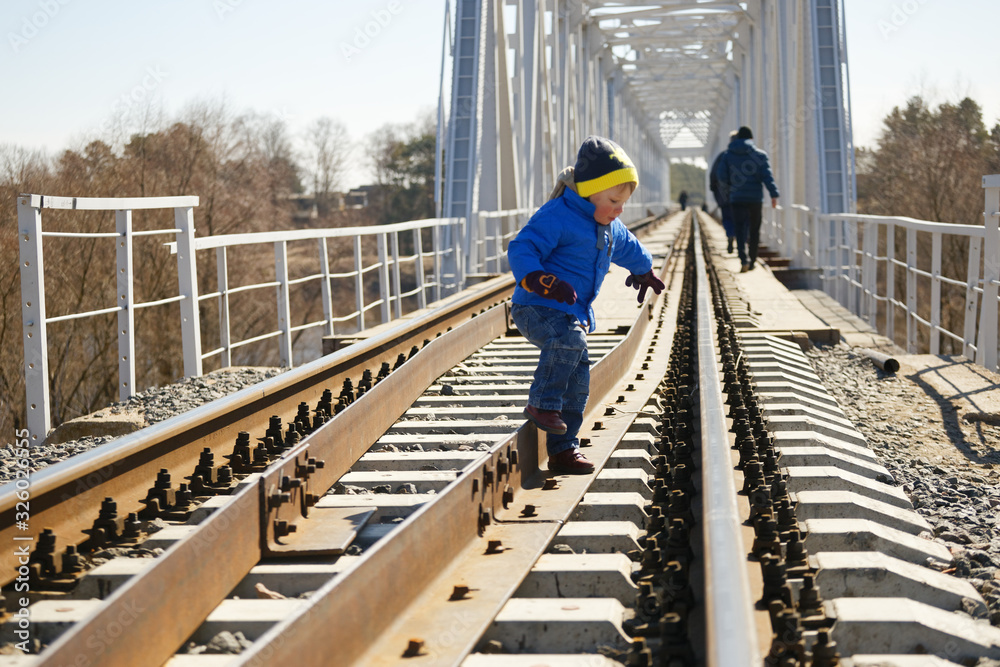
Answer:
(408, 517)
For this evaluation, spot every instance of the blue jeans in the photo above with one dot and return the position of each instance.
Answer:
(562, 379)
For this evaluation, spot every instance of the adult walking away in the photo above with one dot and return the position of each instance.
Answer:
(682, 199)
(560, 259)
(721, 193)
(746, 171)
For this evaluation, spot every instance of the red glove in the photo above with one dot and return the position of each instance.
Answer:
(644, 282)
(548, 286)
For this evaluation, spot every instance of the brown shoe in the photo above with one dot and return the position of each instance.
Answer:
(745, 268)
(549, 421)
(570, 462)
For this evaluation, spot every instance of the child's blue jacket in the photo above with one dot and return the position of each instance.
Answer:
(562, 238)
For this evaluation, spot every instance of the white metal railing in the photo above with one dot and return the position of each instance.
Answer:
(488, 247)
(33, 317)
(447, 267)
(846, 250)
(387, 266)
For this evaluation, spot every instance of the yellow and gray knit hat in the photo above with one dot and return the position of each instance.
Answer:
(602, 164)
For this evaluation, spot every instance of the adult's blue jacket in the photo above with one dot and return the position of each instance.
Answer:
(745, 168)
(562, 238)
(719, 190)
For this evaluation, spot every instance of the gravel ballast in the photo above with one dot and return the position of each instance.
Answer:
(947, 464)
(154, 405)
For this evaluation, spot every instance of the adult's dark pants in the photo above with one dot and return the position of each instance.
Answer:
(746, 224)
(727, 220)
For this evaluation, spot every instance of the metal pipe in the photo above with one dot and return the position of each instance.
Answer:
(732, 637)
(884, 361)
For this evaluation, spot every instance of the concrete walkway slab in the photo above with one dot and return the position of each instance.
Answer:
(822, 456)
(900, 626)
(864, 535)
(599, 536)
(872, 574)
(848, 505)
(612, 507)
(581, 576)
(559, 625)
(787, 439)
(623, 480)
(820, 478)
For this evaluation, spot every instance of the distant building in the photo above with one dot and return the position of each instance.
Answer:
(358, 197)
(307, 208)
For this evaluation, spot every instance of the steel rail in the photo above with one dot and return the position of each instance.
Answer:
(731, 629)
(67, 497)
(399, 601)
(192, 577)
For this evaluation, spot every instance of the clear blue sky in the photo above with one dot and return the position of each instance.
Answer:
(943, 50)
(68, 66)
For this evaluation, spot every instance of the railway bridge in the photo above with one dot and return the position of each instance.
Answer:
(738, 516)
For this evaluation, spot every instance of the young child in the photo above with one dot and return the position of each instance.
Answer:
(559, 260)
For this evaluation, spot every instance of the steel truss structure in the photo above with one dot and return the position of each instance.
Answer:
(667, 79)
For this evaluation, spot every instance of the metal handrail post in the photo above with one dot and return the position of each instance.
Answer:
(438, 252)
(126, 300)
(222, 282)
(851, 266)
(869, 271)
(383, 272)
(397, 287)
(359, 284)
(324, 268)
(911, 291)
(935, 334)
(971, 298)
(36, 362)
(890, 281)
(459, 237)
(836, 253)
(814, 228)
(986, 352)
(187, 284)
(792, 234)
(418, 246)
(283, 300)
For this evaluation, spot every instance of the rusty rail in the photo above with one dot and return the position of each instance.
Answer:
(399, 600)
(194, 575)
(67, 497)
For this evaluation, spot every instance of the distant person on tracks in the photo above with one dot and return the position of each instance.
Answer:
(559, 260)
(745, 170)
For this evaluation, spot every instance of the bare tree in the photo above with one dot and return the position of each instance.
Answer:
(329, 150)
(402, 158)
(243, 168)
(928, 165)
